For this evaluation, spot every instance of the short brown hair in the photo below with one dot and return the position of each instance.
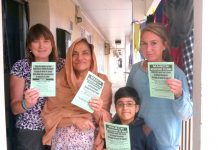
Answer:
(35, 32)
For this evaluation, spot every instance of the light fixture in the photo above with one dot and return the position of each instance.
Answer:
(78, 19)
(117, 42)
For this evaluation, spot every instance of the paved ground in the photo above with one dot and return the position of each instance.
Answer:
(118, 80)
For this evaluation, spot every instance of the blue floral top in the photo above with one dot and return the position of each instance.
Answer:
(30, 119)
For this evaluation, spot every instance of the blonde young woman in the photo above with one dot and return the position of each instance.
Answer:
(68, 126)
(164, 116)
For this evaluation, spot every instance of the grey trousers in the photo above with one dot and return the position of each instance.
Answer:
(30, 140)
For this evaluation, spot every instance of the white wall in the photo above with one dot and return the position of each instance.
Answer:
(39, 12)
(197, 75)
(209, 99)
(61, 13)
(3, 142)
(58, 14)
(205, 76)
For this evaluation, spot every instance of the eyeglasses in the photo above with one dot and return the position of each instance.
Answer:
(129, 105)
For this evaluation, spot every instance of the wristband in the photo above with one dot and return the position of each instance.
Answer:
(24, 105)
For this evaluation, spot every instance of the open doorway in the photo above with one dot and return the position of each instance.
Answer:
(15, 26)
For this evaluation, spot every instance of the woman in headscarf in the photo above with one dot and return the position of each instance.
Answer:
(66, 125)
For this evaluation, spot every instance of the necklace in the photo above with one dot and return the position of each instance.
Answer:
(145, 64)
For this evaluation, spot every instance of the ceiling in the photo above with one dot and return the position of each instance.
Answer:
(113, 18)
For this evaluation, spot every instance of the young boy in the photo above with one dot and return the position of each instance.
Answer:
(127, 106)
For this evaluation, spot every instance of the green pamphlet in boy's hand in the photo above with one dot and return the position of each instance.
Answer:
(117, 136)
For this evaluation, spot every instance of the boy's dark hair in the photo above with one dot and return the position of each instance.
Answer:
(127, 92)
